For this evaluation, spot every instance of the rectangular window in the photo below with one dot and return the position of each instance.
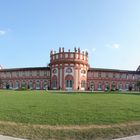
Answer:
(38, 73)
(56, 56)
(7, 74)
(124, 76)
(99, 86)
(71, 56)
(127, 76)
(99, 74)
(48, 73)
(10, 74)
(113, 75)
(54, 83)
(45, 73)
(66, 55)
(127, 86)
(4, 74)
(30, 73)
(23, 73)
(133, 77)
(106, 75)
(120, 86)
(70, 83)
(83, 83)
(53, 57)
(67, 83)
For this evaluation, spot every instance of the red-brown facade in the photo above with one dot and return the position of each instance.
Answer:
(33, 78)
(69, 71)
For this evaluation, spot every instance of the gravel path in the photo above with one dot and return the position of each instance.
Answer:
(137, 137)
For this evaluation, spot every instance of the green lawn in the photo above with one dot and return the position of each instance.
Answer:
(42, 107)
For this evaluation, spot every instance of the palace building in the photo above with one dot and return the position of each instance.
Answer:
(69, 70)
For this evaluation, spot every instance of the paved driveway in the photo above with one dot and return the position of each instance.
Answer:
(9, 138)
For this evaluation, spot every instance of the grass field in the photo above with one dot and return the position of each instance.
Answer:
(41, 108)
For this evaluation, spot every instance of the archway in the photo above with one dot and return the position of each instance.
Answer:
(30, 84)
(69, 82)
(38, 84)
(54, 82)
(45, 85)
(92, 86)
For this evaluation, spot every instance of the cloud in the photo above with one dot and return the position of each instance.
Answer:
(116, 46)
(113, 46)
(94, 50)
(2, 32)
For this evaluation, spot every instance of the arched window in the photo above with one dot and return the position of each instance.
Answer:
(10, 85)
(133, 86)
(91, 86)
(31, 85)
(17, 85)
(113, 86)
(107, 87)
(37, 84)
(45, 84)
(120, 86)
(69, 82)
(23, 84)
(54, 82)
(100, 86)
(127, 86)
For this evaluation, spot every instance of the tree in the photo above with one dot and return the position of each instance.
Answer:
(138, 85)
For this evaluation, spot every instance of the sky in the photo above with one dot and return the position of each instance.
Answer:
(108, 29)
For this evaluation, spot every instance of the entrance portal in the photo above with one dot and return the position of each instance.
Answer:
(69, 82)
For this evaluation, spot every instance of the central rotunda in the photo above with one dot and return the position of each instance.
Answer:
(69, 69)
